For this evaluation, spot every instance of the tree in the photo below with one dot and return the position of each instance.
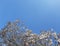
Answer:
(17, 34)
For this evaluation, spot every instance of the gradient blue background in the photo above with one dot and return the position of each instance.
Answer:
(36, 14)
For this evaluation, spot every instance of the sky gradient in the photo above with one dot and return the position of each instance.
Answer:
(36, 14)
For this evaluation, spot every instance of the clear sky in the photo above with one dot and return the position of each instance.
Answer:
(36, 14)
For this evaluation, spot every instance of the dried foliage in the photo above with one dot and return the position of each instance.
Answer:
(17, 34)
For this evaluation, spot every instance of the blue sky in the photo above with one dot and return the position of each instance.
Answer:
(36, 14)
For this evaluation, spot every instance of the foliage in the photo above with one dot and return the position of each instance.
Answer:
(17, 34)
